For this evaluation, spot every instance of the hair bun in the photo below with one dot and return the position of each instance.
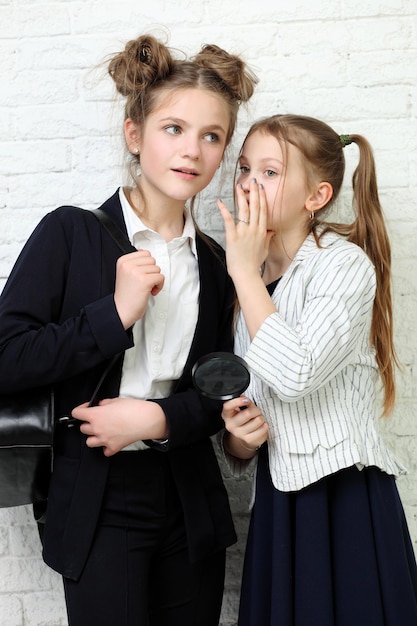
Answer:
(238, 78)
(143, 62)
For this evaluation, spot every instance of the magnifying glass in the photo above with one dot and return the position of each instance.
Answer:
(221, 375)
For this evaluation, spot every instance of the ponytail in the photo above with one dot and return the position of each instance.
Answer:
(369, 232)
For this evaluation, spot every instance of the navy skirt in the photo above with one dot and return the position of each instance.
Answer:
(337, 553)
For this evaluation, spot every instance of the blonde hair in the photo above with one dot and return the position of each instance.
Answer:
(321, 149)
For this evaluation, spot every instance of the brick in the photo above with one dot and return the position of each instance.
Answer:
(11, 610)
(47, 608)
(34, 20)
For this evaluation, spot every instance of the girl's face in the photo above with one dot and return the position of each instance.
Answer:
(182, 144)
(282, 176)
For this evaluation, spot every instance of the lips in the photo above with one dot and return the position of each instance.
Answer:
(186, 171)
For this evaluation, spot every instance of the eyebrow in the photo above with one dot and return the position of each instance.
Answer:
(264, 160)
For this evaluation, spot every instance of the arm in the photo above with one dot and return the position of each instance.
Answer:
(247, 247)
(54, 320)
(190, 416)
(333, 326)
(185, 417)
(335, 298)
(116, 423)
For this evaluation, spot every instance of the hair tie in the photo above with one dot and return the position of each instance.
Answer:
(345, 140)
(145, 54)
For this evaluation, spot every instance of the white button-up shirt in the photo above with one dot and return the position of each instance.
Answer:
(162, 338)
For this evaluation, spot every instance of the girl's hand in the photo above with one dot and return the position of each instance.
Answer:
(115, 423)
(247, 240)
(247, 429)
(137, 278)
(247, 246)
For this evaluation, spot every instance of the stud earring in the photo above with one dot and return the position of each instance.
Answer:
(136, 150)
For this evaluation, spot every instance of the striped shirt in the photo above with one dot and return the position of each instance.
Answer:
(313, 370)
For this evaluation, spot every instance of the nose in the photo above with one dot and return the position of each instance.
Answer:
(244, 180)
(191, 148)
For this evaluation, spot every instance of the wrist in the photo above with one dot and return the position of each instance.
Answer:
(157, 422)
(244, 276)
(247, 447)
(235, 448)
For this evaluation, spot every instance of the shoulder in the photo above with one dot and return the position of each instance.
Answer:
(341, 253)
(334, 250)
(71, 220)
(336, 265)
(70, 213)
(60, 230)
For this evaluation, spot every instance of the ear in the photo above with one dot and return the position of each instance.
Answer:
(319, 197)
(132, 136)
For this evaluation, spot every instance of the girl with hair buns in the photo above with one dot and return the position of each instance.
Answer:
(137, 518)
(328, 542)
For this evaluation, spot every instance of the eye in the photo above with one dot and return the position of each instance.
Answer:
(270, 173)
(211, 137)
(173, 129)
(244, 169)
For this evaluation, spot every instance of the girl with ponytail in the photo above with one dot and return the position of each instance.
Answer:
(328, 542)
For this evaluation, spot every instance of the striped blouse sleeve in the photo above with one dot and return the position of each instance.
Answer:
(295, 360)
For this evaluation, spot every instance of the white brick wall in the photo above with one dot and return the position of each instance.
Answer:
(352, 63)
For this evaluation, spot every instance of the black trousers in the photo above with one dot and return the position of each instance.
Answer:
(138, 572)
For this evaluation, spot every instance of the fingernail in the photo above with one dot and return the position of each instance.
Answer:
(240, 186)
(261, 186)
(254, 180)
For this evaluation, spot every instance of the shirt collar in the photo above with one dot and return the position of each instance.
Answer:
(310, 246)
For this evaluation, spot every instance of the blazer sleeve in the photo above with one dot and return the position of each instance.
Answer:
(55, 321)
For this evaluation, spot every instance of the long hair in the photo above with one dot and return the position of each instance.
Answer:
(321, 149)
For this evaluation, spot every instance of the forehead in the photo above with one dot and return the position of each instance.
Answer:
(263, 145)
(193, 103)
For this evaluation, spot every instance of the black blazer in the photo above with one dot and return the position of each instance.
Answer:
(59, 326)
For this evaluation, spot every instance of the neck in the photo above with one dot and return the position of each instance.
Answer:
(282, 251)
(165, 217)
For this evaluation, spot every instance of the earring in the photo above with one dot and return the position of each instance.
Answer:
(312, 215)
(136, 150)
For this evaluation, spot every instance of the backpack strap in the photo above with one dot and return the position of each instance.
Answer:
(114, 231)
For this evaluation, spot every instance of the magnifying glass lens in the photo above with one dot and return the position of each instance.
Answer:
(221, 375)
